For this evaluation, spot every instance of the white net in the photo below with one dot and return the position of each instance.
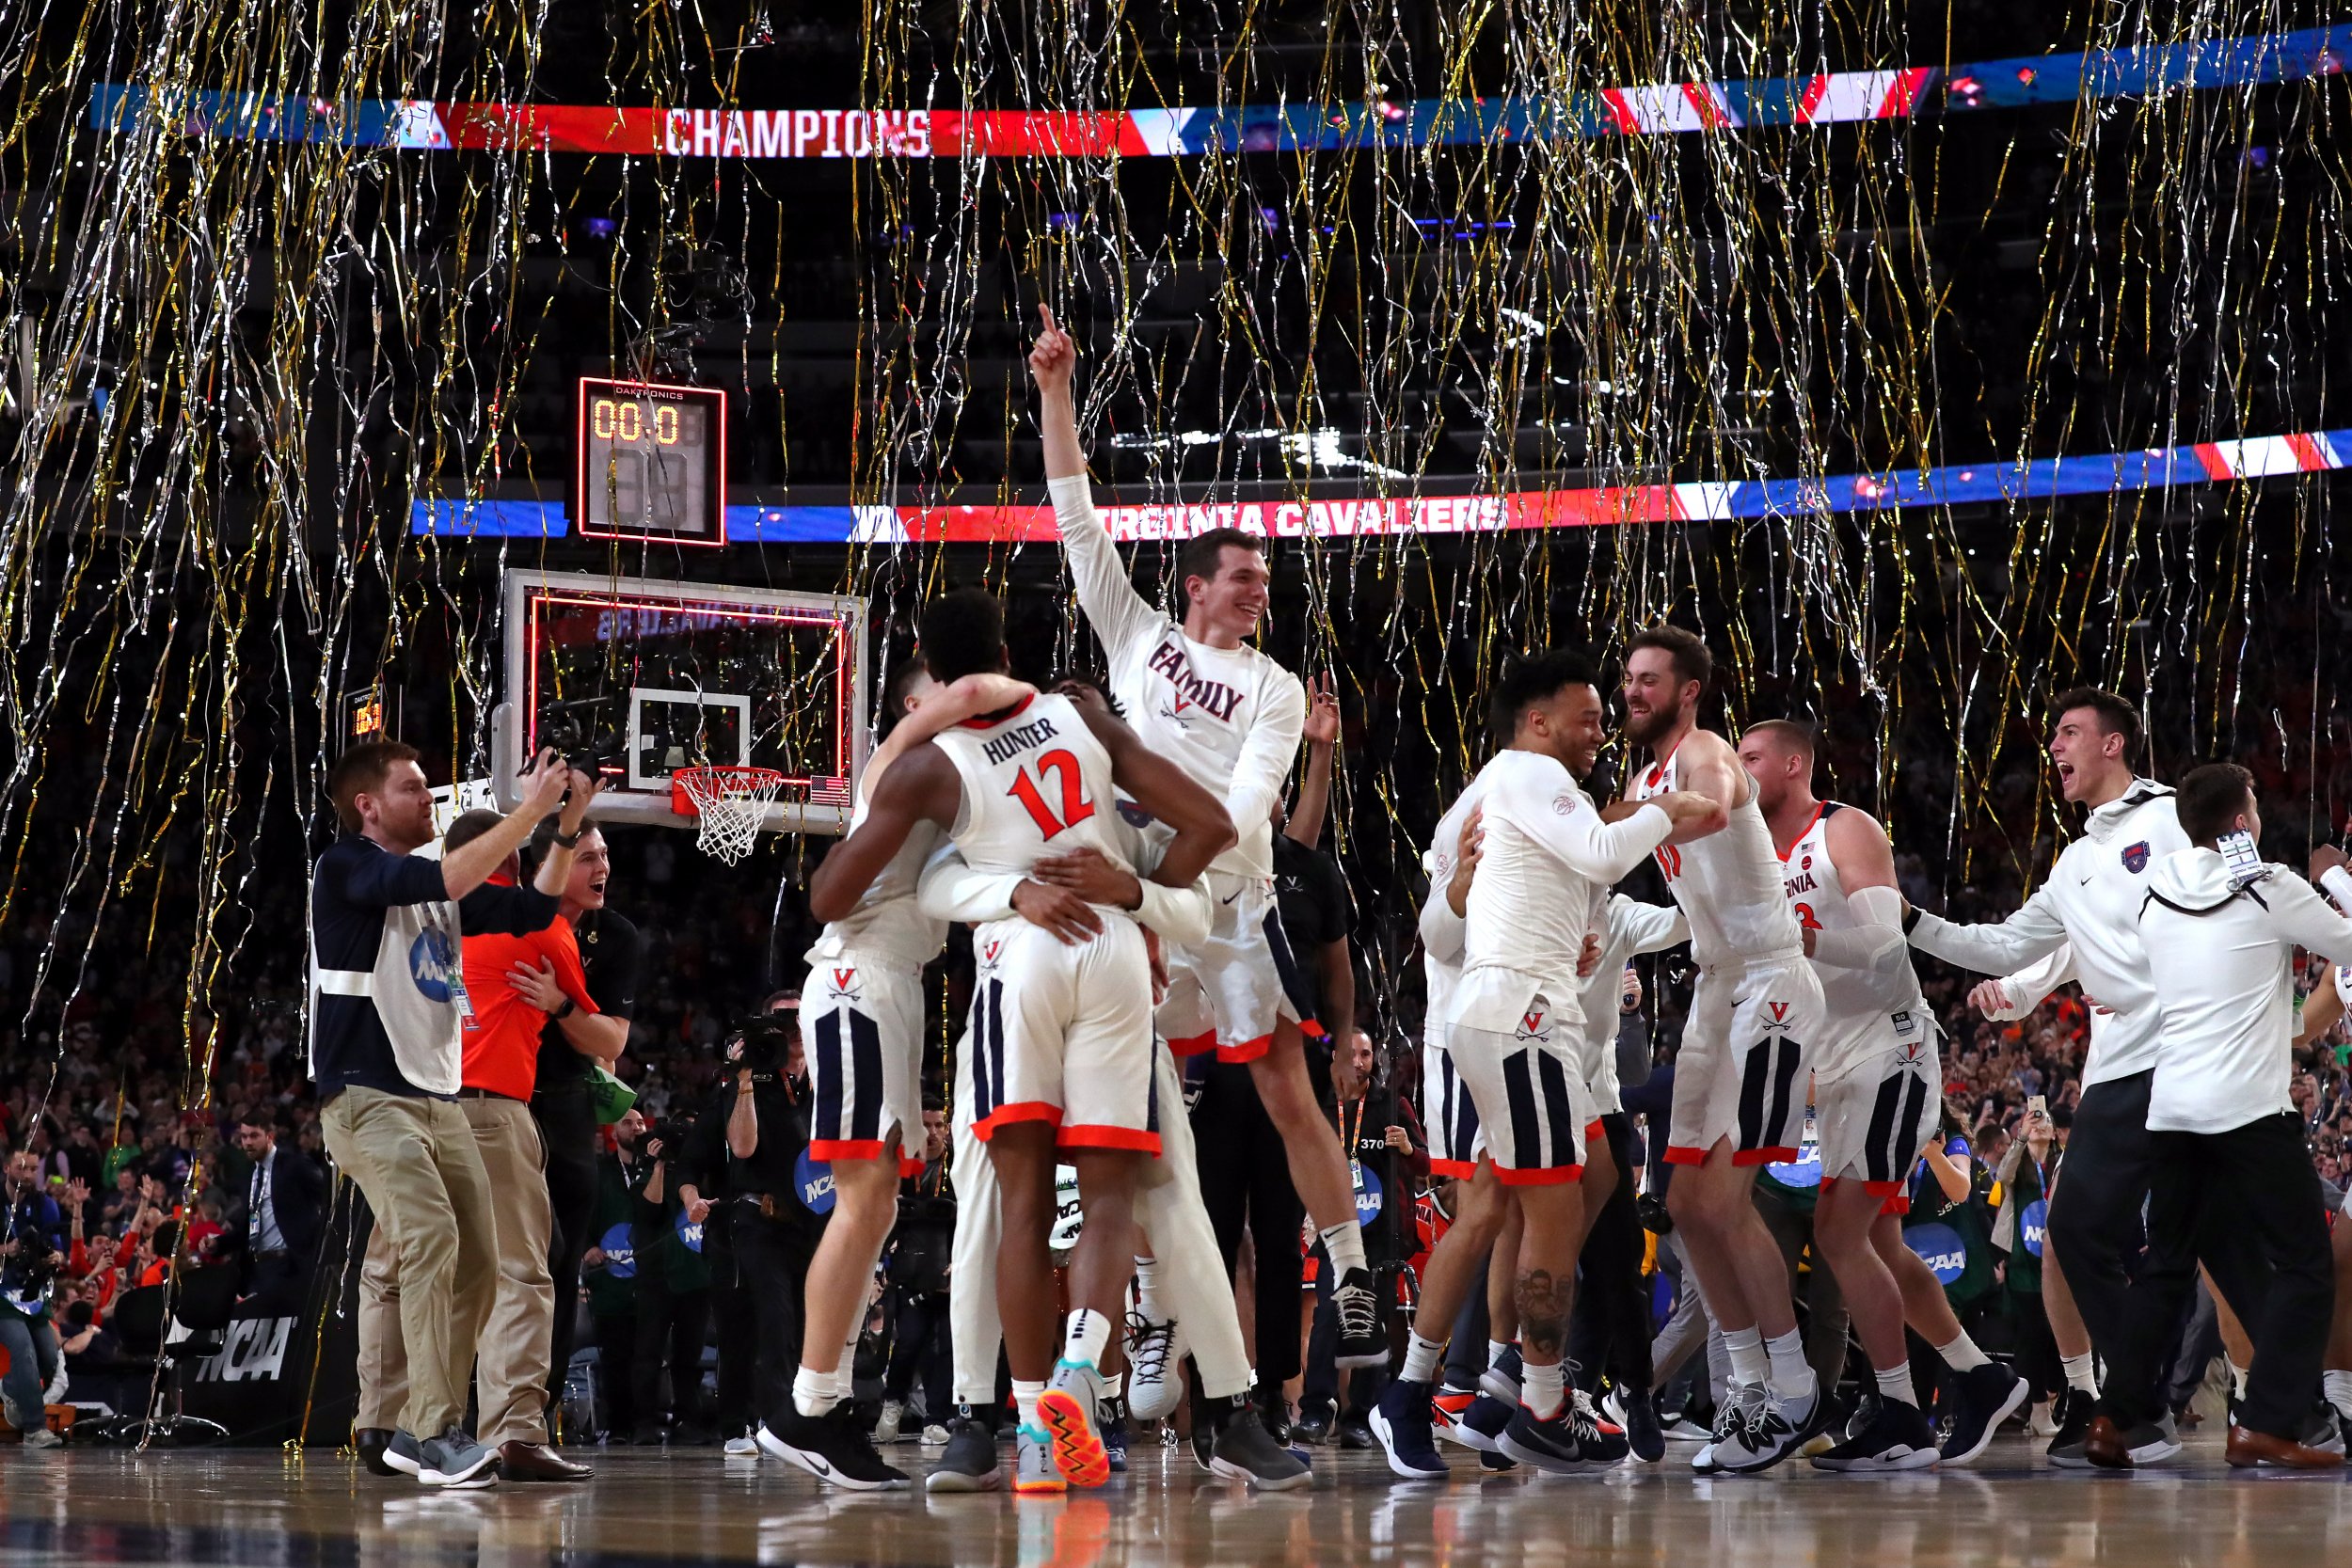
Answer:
(730, 803)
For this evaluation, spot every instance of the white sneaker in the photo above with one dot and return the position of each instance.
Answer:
(886, 1427)
(742, 1446)
(1155, 1368)
(41, 1438)
(934, 1437)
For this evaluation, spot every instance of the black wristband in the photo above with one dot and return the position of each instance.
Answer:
(1911, 918)
(571, 841)
(567, 1011)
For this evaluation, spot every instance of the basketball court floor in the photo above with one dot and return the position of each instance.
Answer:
(249, 1507)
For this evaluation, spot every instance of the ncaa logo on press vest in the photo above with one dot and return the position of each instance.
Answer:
(432, 959)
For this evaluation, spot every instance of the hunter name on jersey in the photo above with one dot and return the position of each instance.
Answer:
(1022, 738)
(1214, 698)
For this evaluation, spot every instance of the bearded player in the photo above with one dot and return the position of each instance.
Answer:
(1739, 1078)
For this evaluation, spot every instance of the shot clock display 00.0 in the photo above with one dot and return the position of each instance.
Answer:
(651, 462)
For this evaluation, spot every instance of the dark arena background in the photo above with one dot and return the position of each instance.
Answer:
(1928, 359)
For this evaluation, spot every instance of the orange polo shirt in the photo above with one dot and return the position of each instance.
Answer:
(501, 1040)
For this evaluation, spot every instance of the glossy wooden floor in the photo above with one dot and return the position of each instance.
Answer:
(260, 1508)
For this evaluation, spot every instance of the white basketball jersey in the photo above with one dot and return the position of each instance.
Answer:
(1036, 783)
(887, 919)
(1818, 899)
(1728, 883)
(1440, 976)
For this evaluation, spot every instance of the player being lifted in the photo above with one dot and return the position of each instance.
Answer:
(1060, 1033)
(1739, 1078)
(1877, 1093)
(1230, 718)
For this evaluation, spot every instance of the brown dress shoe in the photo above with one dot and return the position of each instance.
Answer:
(520, 1461)
(2249, 1447)
(2103, 1446)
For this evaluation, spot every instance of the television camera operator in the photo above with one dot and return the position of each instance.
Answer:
(773, 1213)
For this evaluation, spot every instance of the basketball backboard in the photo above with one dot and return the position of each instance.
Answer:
(651, 676)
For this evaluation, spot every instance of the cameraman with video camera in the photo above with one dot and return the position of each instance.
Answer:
(775, 1218)
(32, 1250)
(673, 1293)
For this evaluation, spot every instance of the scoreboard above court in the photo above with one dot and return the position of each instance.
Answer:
(650, 462)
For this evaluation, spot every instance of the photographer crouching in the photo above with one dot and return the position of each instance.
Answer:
(774, 1219)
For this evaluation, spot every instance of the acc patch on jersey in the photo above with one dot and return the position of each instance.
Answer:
(2136, 858)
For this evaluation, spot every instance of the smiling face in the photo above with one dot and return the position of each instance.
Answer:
(1566, 725)
(592, 868)
(1656, 698)
(398, 814)
(2089, 757)
(1779, 770)
(1229, 605)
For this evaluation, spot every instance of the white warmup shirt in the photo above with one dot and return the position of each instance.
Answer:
(1229, 717)
(1531, 900)
(1441, 927)
(2091, 899)
(2223, 966)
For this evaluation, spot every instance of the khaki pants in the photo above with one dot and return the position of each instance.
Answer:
(518, 1338)
(429, 1276)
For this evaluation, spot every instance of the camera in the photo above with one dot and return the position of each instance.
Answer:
(665, 1137)
(577, 730)
(767, 1042)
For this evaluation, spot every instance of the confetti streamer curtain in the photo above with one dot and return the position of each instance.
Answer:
(235, 361)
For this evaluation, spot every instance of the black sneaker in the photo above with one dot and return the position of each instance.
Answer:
(1642, 1433)
(1865, 1412)
(833, 1449)
(1358, 1306)
(1557, 1446)
(1898, 1438)
(1401, 1422)
(1356, 1434)
(969, 1462)
(1982, 1398)
(1776, 1428)
(1113, 1413)
(1240, 1448)
(1313, 1425)
(372, 1441)
(2071, 1415)
(1501, 1380)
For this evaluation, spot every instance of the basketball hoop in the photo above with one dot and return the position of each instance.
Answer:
(731, 802)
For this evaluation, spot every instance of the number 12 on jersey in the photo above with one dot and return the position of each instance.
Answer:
(1075, 807)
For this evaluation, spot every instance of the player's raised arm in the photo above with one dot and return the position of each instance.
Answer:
(946, 706)
(1107, 594)
(1712, 770)
(924, 787)
(1203, 830)
(1858, 848)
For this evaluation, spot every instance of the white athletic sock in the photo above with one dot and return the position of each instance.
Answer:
(1791, 1375)
(2339, 1388)
(1114, 1384)
(1495, 1349)
(1895, 1384)
(1749, 1364)
(1961, 1354)
(812, 1393)
(1421, 1358)
(1089, 1335)
(2237, 1380)
(1024, 1398)
(2080, 1374)
(1148, 1290)
(1543, 1389)
(1346, 1243)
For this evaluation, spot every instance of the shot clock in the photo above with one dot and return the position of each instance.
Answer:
(651, 462)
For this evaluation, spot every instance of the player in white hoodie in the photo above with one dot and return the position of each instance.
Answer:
(2234, 1177)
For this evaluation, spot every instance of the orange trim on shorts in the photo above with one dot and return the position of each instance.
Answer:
(1248, 1051)
(1539, 1176)
(1192, 1045)
(1774, 1156)
(845, 1148)
(1463, 1169)
(1596, 1128)
(1085, 1135)
(1020, 1110)
(1685, 1155)
(1876, 1188)
(1314, 1027)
